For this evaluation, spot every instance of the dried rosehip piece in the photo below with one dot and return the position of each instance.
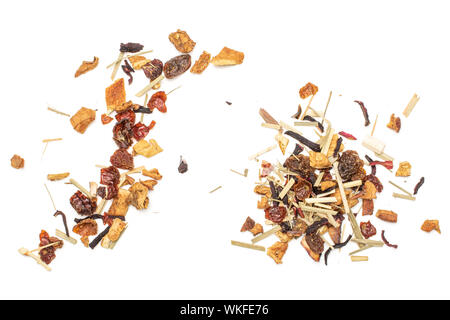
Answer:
(48, 254)
(158, 101)
(122, 134)
(367, 229)
(302, 189)
(129, 114)
(276, 214)
(109, 176)
(140, 131)
(122, 159)
(153, 69)
(82, 204)
(176, 66)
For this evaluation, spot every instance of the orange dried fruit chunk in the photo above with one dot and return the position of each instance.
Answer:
(369, 191)
(277, 251)
(430, 225)
(257, 229)
(386, 215)
(367, 207)
(86, 66)
(228, 57)
(395, 123)
(263, 190)
(17, 162)
(182, 41)
(308, 90)
(202, 63)
(82, 119)
(115, 94)
(263, 203)
(318, 160)
(153, 173)
(404, 169)
(137, 62)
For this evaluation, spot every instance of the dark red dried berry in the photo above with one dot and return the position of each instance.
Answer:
(122, 159)
(109, 176)
(129, 114)
(82, 204)
(153, 69)
(276, 214)
(131, 47)
(302, 189)
(140, 131)
(367, 229)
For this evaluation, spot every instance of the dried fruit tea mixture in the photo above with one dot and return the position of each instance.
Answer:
(102, 208)
(308, 199)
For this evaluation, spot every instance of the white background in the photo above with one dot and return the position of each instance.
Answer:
(380, 52)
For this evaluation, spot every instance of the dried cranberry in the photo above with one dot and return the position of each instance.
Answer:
(122, 134)
(122, 159)
(276, 214)
(129, 114)
(367, 229)
(82, 204)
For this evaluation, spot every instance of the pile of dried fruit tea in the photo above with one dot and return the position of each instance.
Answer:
(309, 197)
(129, 135)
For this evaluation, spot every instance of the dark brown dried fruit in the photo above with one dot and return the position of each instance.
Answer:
(131, 47)
(419, 185)
(82, 204)
(350, 165)
(367, 229)
(122, 159)
(311, 145)
(315, 243)
(302, 189)
(364, 111)
(122, 134)
(299, 164)
(101, 192)
(276, 214)
(176, 66)
(153, 69)
(128, 70)
(183, 167)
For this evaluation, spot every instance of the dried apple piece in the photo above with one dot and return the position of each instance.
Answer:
(228, 57)
(182, 41)
(153, 173)
(150, 184)
(369, 191)
(315, 256)
(147, 149)
(367, 207)
(404, 169)
(82, 119)
(202, 63)
(87, 66)
(263, 190)
(263, 203)
(86, 228)
(139, 194)
(137, 62)
(277, 251)
(257, 229)
(120, 203)
(318, 160)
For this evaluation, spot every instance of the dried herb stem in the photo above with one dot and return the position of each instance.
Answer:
(58, 112)
(149, 87)
(260, 153)
(247, 245)
(43, 247)
(117, 65)
(359, 258)
(51, 198)
(63, 236)
(368, 241)
(51, 140)
(364, 247)
(266, 234)
(412, 103)
(81, 188)
(307, 107)
(402, 196)
(400, 188)
(326, 107)
(374, 125)
(214, 190)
